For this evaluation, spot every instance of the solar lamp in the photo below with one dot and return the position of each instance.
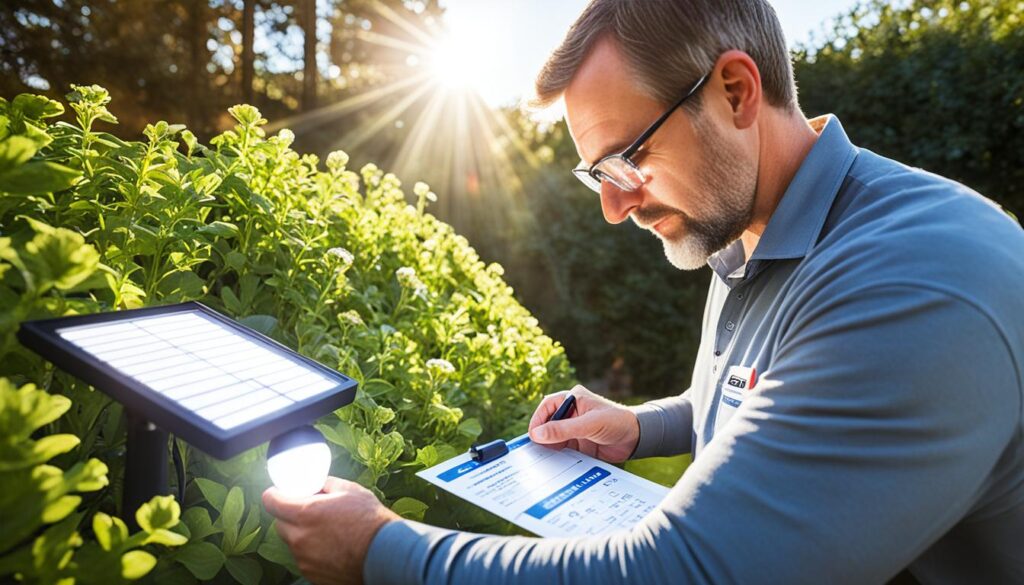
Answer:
(298, 461)
(211, 381)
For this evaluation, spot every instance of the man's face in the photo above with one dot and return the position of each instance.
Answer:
(701, 178)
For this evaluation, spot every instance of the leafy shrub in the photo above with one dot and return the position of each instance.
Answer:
(933, 83)
(34, 495)
(333, 263)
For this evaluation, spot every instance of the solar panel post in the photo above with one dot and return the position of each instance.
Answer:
(145, 470)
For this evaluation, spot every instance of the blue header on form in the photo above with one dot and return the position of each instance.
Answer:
(460, 470)
(570, 491)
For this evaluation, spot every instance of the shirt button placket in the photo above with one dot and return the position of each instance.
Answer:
(729, 327)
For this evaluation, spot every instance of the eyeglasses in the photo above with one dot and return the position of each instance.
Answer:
(620, 168)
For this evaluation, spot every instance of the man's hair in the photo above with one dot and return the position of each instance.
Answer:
(670, 44)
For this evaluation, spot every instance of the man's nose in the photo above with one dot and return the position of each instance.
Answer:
(616, 203)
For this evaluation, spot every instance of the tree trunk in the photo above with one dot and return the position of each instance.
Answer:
(198, 57)
(248, 55)
(309, 76)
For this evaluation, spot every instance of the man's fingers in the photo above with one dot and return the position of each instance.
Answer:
(551, 402)
(336, 484)
(546, 408)
(559, 431)
(281, 506)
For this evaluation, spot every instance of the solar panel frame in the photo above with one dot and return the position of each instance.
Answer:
(42, 337)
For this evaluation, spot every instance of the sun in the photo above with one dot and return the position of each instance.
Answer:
(446, 102)
(463, 61)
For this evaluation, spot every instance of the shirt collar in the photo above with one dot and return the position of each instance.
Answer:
(798, 219)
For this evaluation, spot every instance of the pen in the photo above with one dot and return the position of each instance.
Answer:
(565, 409)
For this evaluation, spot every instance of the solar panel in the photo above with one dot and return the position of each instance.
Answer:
(206, 378)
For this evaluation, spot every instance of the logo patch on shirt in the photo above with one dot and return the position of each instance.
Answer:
(741, 378)
(738, 381)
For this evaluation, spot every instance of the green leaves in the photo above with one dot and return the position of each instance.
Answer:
(265, 324)
(33, 495)
(136, 564)
(37, 177)
(238, 539)
(36, 107)
(276, 551)
(22, 135)
(15, 151)
(157, 517)
(335, 264)
(219, 229)
(410, 508)
(115, 556)
(932, 84)
(244, 570)
(215, 493)
(161, 131)
(231, 517)
(25, 409)
(247, 115)
(110, 532)
(54, 257)
(202, 559)
(90, 103)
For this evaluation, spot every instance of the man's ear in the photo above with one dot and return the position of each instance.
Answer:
(741, 82)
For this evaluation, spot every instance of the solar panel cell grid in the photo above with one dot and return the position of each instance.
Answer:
(202, 364)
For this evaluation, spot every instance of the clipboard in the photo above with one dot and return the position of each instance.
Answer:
(551, 493)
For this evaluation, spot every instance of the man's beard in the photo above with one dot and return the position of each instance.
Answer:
(727, 186)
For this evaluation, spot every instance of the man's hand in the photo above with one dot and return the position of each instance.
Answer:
(329, 533)
(599, 428)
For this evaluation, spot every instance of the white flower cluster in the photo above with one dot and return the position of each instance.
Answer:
(352, 317)
(371, 174)
(421, 189)
(438, 366)
(342, 254)
(408, 279)
(286, 136)
(337, 160)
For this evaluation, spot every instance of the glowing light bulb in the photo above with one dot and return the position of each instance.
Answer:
(298, 462)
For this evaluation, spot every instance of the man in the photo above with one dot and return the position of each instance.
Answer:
(856, 406)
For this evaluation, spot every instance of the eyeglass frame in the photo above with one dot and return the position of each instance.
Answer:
(582, 173)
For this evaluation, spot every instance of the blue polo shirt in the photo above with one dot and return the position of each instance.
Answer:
(856, 406)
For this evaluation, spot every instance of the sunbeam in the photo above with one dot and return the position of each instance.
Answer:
(357, 137)
(309, 121)
(468, 152)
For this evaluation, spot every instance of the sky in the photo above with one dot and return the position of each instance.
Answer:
(511, 39)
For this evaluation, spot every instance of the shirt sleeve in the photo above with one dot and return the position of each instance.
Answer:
(666, 427)
(873, 432)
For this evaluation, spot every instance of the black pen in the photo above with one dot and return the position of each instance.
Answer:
(565, 409)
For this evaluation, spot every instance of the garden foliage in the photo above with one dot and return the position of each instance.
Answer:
(932, 83)
(333, 263)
